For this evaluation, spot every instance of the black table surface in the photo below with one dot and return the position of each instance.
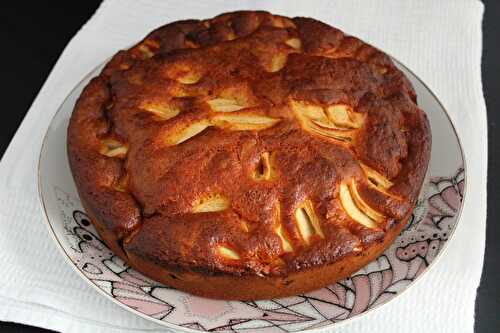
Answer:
(34, 34)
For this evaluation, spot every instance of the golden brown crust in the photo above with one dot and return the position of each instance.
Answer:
(249, 149)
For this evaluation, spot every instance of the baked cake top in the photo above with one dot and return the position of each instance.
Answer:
(249, 143)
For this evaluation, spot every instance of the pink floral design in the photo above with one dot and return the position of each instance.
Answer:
(445, 200)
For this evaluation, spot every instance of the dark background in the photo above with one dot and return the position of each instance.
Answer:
(33, 36)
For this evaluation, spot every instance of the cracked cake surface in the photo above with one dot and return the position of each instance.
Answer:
(250, 155)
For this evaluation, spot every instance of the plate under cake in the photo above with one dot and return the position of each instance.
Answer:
(249, 156)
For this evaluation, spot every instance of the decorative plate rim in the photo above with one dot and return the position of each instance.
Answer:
(167, 324)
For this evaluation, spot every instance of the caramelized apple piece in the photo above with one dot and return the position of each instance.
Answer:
(309, 111)
(356, 208)
(162, 110)
(185, 133)
(344, 117)
(183, 73)
(189, 78)
(308, 221)
(313, 119)
(285, 243)
(376, 178)
(244, 226)
(294, 42)
(283, 22)
(287, 247)
(231, 36)
(363, 206)
(243, 121)
(145, 51)
(113, 148)
(211, 203)
(225, 105)
(278, 61)
(228, 253)
(341, 135)
(152, 43)
(264, 170)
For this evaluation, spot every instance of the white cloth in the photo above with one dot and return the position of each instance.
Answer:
(439, 40)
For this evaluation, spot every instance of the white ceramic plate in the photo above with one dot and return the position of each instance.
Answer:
(417, 247)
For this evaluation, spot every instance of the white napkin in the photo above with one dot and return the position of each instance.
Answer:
(439, 40)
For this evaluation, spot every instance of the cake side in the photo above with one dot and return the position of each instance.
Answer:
(219, 285)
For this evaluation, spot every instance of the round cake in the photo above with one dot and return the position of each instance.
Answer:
(249, 156)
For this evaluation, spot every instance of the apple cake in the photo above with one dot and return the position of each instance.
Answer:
(249, 156)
